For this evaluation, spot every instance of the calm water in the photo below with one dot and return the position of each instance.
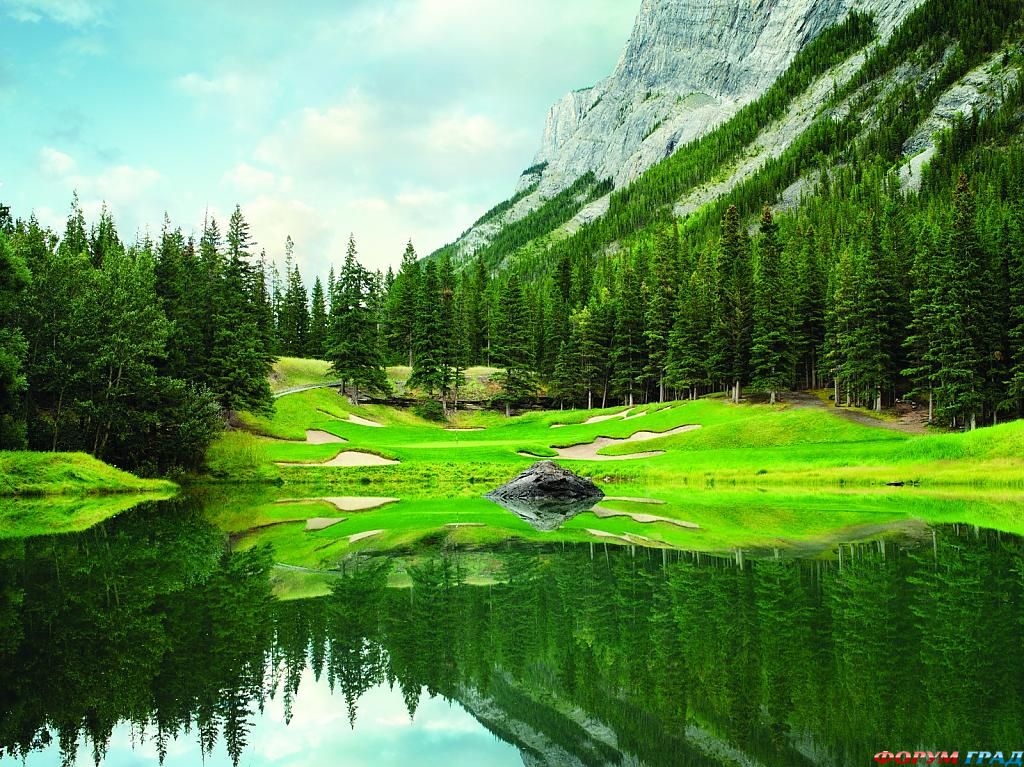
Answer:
(146, 639)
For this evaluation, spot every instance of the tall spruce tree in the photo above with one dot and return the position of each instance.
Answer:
(734, 315)
(771, 346)
(14, 279)
(353, 343)
(513, 352)
(317, 343)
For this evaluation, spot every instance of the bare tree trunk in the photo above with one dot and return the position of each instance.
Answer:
(835, 396)
(974, 421)
(931, 405)
(772, 401)
(508, 409)
(56, 420)
(590, 398)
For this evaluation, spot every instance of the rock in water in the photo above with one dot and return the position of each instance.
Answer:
(546, 495)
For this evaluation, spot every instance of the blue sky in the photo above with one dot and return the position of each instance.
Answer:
(387, 118)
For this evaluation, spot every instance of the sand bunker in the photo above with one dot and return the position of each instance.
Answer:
(592, 419)
(319, 437)
(602, 512)
(588, 451)
(364, 535)
(363, 421)
(635, 415)
(322, 523)
(344, 502)
(347, 459)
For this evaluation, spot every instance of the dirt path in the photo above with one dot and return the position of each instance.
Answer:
(910, 422)
(307, 387)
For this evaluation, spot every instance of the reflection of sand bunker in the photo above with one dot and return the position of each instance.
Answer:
(344, 502)
(348, 458)
(322, 523)
(601, 511)
(465, 524)
(364, 535)
(588, 451)
(631, 499)
(468, 428)
(362, 421)
(627, 538)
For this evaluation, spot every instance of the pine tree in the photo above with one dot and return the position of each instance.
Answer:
(771, 347)
(353, 344)
(628, 352)
(513, 350)
(921, 343)
(735, 286)
(430, 335)
(317, 344)
(960, 323)
(240, 358)
(14, 279)
(688, 354)
(1016, 289)
(403, 301)
(659, 311)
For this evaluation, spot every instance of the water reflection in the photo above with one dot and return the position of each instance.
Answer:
(544, 514)
(587, 655)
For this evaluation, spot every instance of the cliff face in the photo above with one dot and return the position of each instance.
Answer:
(688, 66)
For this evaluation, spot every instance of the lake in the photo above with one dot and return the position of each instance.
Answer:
(153, 637)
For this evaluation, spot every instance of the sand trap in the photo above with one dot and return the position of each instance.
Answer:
(635, 415)
(319, 437)
(322, 523)
(557, 425)
(363, 421)
(345, 502)
(588, 451)
(348, 458)
(465, 524)
(631, 499)
(364, 536)
(601, 418)
(602, 512)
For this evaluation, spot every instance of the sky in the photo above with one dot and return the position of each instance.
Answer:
(389, 119)
(443, 734)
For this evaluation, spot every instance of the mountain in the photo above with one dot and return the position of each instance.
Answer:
(688, 68)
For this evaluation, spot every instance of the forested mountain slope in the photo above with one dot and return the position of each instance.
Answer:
(889, 151)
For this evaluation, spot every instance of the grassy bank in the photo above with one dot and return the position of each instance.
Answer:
(45, 474)
(756, 477)
(735, 445)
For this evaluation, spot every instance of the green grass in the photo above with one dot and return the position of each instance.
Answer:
(753, 476)
(25, 517)
(290, 372)
(737, 445)
(35, 474)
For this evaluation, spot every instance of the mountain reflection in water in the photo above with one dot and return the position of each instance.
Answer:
(149, 633)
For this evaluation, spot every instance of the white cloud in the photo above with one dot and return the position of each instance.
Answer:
(272, 219)
(54, 162)
(458, 132)
(247, 178)
(323, 139)
(75, 13)
(121, 183)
